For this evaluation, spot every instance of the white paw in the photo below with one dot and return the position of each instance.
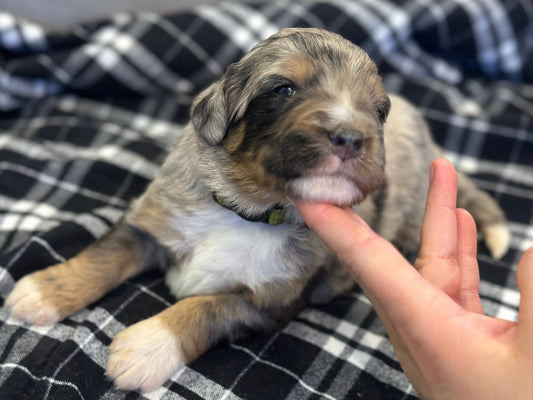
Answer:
(27, 303)
(144, 356)
(497, 238)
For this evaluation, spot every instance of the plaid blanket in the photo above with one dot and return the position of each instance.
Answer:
(86, 117)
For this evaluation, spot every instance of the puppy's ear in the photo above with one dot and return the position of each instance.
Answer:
(223, 103)
(209, 114)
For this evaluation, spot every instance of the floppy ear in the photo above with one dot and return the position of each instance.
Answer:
(209, 114)
(222, 103)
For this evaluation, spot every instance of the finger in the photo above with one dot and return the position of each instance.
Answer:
(466, 258)
(439, 229)
(437, 259)
(524, 277)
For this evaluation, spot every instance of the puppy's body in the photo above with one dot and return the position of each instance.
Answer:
(217, 250)
(301, 117)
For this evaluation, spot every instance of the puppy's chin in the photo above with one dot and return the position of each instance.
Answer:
(336, 189)
(332, 182)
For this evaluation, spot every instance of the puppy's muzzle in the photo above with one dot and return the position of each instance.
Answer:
(347, 144)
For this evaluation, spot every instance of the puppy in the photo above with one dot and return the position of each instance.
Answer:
(302, 116)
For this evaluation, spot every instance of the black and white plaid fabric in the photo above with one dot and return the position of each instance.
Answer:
(86, 117)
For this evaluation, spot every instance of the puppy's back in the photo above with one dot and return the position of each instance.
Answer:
(397, 210)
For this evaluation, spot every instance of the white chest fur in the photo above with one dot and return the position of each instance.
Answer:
(222, 251)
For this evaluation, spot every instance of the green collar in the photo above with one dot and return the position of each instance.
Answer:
(273, 216)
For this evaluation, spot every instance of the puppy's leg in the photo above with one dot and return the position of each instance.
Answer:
(330, 282)
(47, 296)
(148, 353)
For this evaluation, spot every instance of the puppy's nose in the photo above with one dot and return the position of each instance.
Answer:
(346, 144)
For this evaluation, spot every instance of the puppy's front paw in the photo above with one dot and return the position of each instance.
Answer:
(28, 302)
(144, 356)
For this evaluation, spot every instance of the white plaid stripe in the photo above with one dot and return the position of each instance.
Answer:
(51, 381)
(301, 382)
(340, 350)
(18, 32)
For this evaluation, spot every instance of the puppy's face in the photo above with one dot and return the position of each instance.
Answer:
(301, 116)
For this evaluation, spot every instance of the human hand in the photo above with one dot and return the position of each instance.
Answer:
(447, 347)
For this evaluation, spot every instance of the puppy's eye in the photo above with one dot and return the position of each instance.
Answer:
(382, 115)
(285, 90)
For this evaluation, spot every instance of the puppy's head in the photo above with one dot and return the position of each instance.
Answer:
(300, 116)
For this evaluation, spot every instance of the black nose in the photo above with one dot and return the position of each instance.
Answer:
(346, 144)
